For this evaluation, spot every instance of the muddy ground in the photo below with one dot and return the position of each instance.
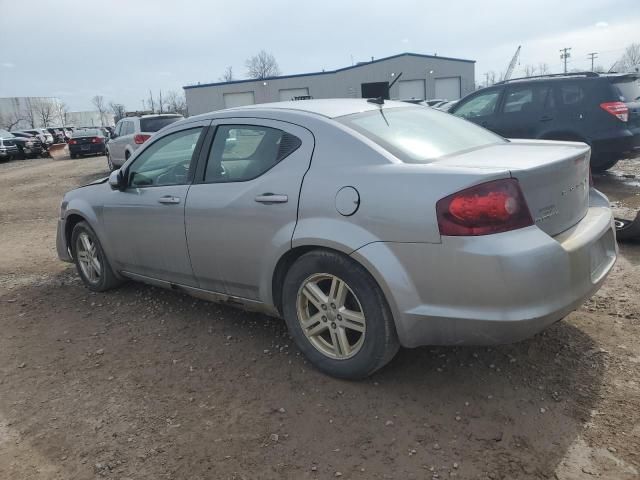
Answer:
(144, 383)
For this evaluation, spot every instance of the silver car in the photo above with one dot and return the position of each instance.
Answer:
(367, 227)
(131, 132)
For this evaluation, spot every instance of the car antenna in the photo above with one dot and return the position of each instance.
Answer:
(380, 100)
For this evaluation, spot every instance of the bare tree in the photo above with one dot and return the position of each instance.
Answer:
(227, 76)
(118, 109)
(30, 114)
(10, 121)
(62, 112)
(101, 107)
(151, 103)
(176, 103)
(543, 68)
(530, 70)
(630, 60)
(45, 111)
(261, 66)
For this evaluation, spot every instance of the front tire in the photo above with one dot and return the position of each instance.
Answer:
(109, 161)
(90, 259)
(338, 316)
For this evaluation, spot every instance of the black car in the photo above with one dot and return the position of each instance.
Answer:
(602, 110)
(28, 145)
(87, 142)
(8, 148)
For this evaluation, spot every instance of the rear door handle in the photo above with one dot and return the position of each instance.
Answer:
(272, 198)
(546, 118)
(169, 199)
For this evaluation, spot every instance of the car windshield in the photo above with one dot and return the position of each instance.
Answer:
(87, 133)
(153, 124)
(629, 90)
(419, 135)
(5, 134)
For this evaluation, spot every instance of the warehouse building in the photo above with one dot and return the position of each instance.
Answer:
(423, 77)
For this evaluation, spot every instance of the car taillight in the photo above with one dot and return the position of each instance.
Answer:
(73, 142)
(97, 140)
(617, 109)
(491, 207)
(140, 138)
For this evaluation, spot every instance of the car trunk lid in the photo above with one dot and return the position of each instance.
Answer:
(553, 176)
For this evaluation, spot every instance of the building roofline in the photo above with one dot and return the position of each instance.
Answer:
(327, 72)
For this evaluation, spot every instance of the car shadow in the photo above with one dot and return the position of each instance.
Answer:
(145, 382)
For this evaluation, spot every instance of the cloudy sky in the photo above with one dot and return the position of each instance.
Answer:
(75, 49)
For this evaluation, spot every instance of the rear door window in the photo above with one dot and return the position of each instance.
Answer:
(571, 95)
(530, 98)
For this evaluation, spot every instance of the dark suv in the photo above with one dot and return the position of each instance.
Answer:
(602, 110)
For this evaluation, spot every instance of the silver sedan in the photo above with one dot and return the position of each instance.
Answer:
(367, 227)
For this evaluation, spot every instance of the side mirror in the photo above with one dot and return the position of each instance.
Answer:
(116, 180)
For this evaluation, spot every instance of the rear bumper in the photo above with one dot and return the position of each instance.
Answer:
(493, 289)
(624, 142)
(93, 149)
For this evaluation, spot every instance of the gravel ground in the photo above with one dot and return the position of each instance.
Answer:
(144, 383)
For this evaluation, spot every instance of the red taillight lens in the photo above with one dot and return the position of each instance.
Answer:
(97, 140)
(73, 142)
(617, 109)
(491, 207)
(140, 138)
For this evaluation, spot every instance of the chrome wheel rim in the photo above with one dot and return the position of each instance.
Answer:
(88, 258)
(331, 316)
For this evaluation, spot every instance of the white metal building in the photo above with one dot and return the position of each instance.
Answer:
(423, 77)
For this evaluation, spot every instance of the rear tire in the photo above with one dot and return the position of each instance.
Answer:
(90, 259)
(603, 162)
(352, 345)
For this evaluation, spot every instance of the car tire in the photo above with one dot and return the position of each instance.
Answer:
(352, 345)
(91, 261)
(109, 162)
(603, 162)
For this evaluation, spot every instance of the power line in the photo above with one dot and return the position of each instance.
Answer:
(592, 56)
(564, 55)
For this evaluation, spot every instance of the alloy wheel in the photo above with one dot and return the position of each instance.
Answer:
(88, 258)
(331, 316)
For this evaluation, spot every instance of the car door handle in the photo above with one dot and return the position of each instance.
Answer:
(272, 198)
(546, 118)
(169, 199)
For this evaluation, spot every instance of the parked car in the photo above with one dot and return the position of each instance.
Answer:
(435, 102)
(43, 134)
(87, 142)
(131, 132)
(57, 134)
(8, 148)
(365, 226)
(602, 110)
(28, 145)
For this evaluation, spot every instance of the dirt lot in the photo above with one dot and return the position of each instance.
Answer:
(144, 383)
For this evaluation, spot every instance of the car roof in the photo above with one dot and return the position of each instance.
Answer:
(330, 107)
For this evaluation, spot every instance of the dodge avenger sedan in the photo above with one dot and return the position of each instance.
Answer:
(365, 226)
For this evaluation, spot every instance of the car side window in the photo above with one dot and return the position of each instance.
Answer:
(127, 128)
(571, 95)
(166, 161)
(244, 152)
(118, 130)
(481, 105)
(527, 99)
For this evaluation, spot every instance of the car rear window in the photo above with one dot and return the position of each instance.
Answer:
(156, 123)
(421, 134)
(629, 90)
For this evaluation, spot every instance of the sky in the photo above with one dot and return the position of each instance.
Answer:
(120, 49)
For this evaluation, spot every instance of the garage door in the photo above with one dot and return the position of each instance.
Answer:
(411, 89)
(448, 88)
(238, 99)
(287, 94)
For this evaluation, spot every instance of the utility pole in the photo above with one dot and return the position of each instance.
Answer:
(592, 56)
(564, 55)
